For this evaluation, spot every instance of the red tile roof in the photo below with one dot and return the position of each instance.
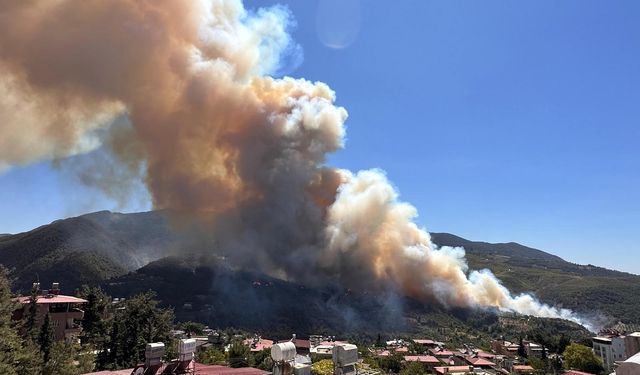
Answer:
(575, 372)
(487, 355)
(447, 369)
(260, 345)
(52, 299)
(479, 361)
(422, 358)
(305, 344)
(223, 370)
(442, 353)
(200, 370)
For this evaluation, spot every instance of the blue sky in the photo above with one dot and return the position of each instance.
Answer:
(500, 121)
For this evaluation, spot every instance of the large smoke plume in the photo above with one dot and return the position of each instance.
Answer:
(216, 136)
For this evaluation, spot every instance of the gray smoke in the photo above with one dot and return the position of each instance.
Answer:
(221, 141)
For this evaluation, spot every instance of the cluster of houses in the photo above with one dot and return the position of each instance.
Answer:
(620, 352)
(435, 356)
(439, 359)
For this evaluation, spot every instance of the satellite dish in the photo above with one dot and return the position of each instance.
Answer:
(139, 371)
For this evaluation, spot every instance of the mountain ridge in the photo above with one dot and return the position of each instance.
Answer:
(103, 246)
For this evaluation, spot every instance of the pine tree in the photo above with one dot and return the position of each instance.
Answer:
(563, 342)
(10, 345)
(95, 325)
(238, 354)
(522, 352)
(18, 354)
(31, 319)
(60, 360)
(137, 322)
(46, 338)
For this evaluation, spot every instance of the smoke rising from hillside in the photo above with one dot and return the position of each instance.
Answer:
(217, 137)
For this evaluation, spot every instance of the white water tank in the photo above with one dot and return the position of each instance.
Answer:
(186, 348)
(283, 352)
(345, 355)
(153, 353)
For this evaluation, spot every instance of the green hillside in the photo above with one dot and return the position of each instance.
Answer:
(102, 246)
(85, 249)
(207, 290)
(604, 295)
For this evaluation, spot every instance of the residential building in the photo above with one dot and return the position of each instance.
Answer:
(616, 348)
(258, 344)
(430, 362)
(65, 312)
(454, 370)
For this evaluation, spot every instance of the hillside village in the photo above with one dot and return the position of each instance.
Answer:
(193, 348)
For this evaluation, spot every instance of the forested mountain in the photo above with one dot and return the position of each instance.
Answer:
(86, 249)
(598, 293)
(126, 253)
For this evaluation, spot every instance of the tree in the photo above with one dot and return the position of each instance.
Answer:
(86, 360)
(262, 360)
(582, 358)
(379, 342)
(556, 364)
(211, 356)
(238, 354)
(522, 352)
(192, 328)
(563, 342)
(60, 360)
(391, 363)
(31, 319)
(323, 367)
(537, 363)
(413, 368)
(19, 354)
(46, 338)
(417, 348)
(95, 323)
(137, 322)
(10, 343)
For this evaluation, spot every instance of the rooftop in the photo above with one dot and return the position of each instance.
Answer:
(258, 346)
(634, 359)
(442, 353)
(454, 369)
(483, 354)
(476, 361)
(424, 341)
(576, 372)
(422, 359)
(200, 370)
(52, 299)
